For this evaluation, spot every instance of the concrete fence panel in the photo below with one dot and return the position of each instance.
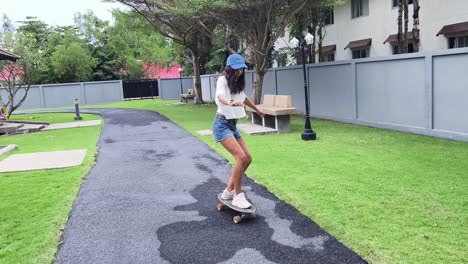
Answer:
(451, 93)
(331, 93)
(391, 92)
(269, 83)
(291, 82)
(206, 89)
(102, 92)
(249, 83)
(62, 95)
(170, 88)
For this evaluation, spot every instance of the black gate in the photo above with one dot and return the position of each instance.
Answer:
(140, 88)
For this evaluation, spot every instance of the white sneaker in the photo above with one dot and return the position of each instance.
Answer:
(240, 201)
(227, 195)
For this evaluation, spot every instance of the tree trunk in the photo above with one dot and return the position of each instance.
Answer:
(312, 53)
(320, 29)
(10, 105)
(259, 76)
(196, 74)
(400, 26)
(405, 36)
(416, 8)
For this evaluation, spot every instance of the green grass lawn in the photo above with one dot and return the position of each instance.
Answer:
(34, 206)
(392, 197)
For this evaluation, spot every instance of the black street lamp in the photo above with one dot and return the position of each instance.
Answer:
(308, 39)
(180, 77)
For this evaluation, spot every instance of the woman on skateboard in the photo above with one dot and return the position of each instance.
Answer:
(230, 99)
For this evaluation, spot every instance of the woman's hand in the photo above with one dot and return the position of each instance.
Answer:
(236, 103)
(261, 113)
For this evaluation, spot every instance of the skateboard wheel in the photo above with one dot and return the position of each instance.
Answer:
(236, 219)
(220, 207)
(253, 215)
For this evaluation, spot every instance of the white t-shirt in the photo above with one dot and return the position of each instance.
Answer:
(230, 112)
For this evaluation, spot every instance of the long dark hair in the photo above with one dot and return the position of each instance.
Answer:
(236, 85)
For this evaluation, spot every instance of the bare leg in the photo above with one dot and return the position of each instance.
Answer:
(247, 153)
(233, 146)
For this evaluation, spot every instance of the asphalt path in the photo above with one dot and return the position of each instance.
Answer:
(151, 198)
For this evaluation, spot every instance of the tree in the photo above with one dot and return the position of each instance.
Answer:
(95, 32)
(91, 28)
(7, 25)
(415, 30)
(19, 75)
(403, 21)
(40, 31)
(312, 19)
(35, 28)
(405, 36)
(71, 60)
(400, 26)
(259, 24)
(134, 43)
(184, 24)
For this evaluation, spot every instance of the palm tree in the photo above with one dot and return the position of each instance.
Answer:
(400, 26)
(416, 8)
(405, 36)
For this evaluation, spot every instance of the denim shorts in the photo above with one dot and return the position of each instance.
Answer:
(224, 128)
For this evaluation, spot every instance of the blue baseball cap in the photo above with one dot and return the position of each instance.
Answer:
(236, 61)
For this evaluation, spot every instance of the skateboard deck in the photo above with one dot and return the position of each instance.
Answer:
(248, 213)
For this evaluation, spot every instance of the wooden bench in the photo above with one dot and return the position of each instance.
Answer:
(189, 96)
(278, 111)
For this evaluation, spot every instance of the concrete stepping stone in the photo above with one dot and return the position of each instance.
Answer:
(9, 128)
(43, 160)
(205, 132)
(5, 149)
(252, 129)
(29, 128)
(72, 125)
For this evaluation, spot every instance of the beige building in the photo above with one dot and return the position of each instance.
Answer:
(368, 28)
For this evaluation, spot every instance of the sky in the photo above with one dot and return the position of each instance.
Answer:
(55, 12)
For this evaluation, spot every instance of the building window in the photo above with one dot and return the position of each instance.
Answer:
(329, 17)
(359, 8)
(458, 42)
(396, 50)
(327, 57)
(396, 2)
(360, 53)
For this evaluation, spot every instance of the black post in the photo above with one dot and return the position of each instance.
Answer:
(181, 89)
(77, 110)
(308, 133)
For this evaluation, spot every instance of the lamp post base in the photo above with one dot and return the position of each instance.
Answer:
(309, 135)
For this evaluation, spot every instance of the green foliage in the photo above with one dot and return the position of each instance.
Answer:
(95, 32)
(7, 24)
(19, 75)
(91, 28)
(92, 49)
(37, 29)
(134, 41)
(71, 62)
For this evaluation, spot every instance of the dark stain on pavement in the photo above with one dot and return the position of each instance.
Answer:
(157, 156)
(109, 141)
(202, 241)
(204, 168)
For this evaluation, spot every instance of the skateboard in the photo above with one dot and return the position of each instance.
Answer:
(248, 213)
